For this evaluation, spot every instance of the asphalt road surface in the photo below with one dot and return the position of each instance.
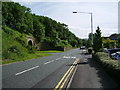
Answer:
(47, 72)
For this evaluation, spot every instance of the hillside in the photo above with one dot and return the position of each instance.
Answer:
(15, 47)
(14, 44)
(43, 28)
(18, 22)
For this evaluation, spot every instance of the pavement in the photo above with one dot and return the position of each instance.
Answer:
(53, 71)
(90, 74)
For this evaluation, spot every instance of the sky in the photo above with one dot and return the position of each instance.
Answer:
(105, 15)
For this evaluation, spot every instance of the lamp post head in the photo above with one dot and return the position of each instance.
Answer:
(74, 12)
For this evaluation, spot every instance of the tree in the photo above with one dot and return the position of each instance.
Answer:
(39, 29)
(22, 20)
(107, 43)
(90, 38)
(118, 41)
(97, 41)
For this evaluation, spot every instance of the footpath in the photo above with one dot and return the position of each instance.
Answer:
(90, 74)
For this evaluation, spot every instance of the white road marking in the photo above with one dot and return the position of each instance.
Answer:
(68, 57)
(58, 58)
(49, 62)
(73, 57)
(26, 70)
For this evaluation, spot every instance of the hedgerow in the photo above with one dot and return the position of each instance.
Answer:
(111, 66)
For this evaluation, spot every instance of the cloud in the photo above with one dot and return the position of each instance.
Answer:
(66, 0)
(82, 32)
(105, 15)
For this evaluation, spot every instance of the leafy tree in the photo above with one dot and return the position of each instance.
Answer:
(97, 41)
(118, 41)
(39, 29)
(29, 22)
(88, 43)
(21, 19)
(107, 43)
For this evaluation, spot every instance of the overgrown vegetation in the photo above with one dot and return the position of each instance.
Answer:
(18, 22)
(15, 47)
(29, 56)
(44, 29)
(111, 66)
(13, 44)
(107, 43)
(51, 51)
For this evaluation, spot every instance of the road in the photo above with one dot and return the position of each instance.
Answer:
(48, 72)
(45, 72)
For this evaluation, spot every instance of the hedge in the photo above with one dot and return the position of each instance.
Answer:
(112, 67)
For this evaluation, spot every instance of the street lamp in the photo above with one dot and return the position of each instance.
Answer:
(91, 21)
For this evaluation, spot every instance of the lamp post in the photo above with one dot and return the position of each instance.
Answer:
(90, 20)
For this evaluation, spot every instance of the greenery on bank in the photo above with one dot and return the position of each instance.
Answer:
(18, 22)
(112, 67)
(51, 51)
(14, 45)
(44, 29)
(37, 54)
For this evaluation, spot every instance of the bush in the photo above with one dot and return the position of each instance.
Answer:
(112, 67)
(5, 55)
(31, 49)
(20, 41)
(14, 49)
(90, 51)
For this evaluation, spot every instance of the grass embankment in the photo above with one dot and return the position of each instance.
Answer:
(112, 67)
(51, 51)
(15, 47)
(37, 54)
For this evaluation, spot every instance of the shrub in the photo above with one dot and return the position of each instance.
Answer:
(31, 49)
(112, 67)
(90, 51)
(20, 41)
(13, 49)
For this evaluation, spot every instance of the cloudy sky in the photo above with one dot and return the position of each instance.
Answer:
(105, 15)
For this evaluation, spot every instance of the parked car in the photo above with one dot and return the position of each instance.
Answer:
(105, 50)
(113, 55)
(118, 55)
(113, 50)
(82, 47)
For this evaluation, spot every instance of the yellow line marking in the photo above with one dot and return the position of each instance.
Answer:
(66, 75)
(63, 77)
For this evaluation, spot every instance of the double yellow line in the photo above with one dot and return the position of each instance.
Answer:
(66, 76)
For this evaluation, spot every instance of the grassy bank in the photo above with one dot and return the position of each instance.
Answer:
(50, 51)
(15, 48)
(38, 54)
(112, 67)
